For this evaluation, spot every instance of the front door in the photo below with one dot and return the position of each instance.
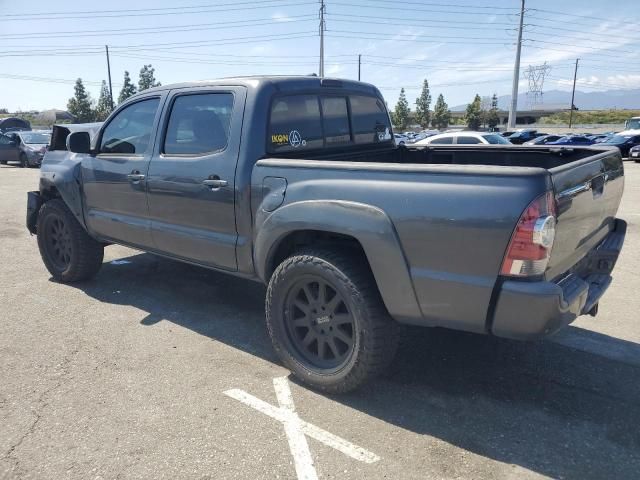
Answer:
(191, 180)
(114, 179)
(8, 149)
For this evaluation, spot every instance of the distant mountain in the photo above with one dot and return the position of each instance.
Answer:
(621, 99)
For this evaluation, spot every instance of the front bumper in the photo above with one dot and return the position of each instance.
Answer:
(531, 310)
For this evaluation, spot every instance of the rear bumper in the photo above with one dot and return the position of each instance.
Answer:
(531, 310)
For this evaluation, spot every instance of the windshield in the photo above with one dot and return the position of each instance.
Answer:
(496, 139)
(35, 137)
(633, 124)
(616, 139)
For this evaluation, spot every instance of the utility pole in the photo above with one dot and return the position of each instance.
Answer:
(573, 92)
(323, 27)
(513, 110)
(106, 48)
(359, 63)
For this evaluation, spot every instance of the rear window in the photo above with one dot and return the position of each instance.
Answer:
(295, 124)
(369, 119)
(335, 120)
(306, 122)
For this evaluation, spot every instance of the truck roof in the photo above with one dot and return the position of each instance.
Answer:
(284, 82)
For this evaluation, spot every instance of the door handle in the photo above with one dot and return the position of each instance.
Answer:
(215, 182)
(135, 176)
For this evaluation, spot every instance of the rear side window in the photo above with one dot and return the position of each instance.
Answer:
(370, 120)
(468, 140)
(199, 124)
(442, 141)
(295, 124)
(335, 120)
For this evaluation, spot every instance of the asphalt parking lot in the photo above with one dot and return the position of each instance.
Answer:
(130, 376)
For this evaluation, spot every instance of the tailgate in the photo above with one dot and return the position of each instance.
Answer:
(588, 194)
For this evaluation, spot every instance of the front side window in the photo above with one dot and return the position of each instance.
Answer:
(130, 130)
(335, 120)
(295, 124)
(199, 124)
(370, 120)
(4, 140)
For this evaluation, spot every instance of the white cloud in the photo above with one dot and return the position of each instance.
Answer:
(608, 82)
(281, 17)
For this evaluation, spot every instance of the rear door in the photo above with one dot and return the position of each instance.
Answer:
(114, 179)
(588, 193)
(191, 181)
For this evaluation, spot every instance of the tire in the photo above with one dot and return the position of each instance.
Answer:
(67, 250)
(3, 162)
(24, 161)
(373, 333)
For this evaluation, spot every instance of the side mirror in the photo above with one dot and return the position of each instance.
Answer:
(78, 142)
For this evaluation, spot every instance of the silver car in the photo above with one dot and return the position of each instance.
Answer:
(28, 148)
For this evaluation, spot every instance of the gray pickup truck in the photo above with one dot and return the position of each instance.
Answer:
(297, 182)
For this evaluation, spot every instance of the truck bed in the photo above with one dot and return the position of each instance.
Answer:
(497, 155)
(454, 209)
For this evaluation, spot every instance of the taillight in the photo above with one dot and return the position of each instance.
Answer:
(532, 239)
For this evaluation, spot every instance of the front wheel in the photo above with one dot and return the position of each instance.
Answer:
(67, 250)
(24, 161)
(327, 321)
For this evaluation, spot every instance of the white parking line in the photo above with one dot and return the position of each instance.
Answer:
(296, 429)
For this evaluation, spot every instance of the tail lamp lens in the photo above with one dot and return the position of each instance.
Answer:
(532, 240)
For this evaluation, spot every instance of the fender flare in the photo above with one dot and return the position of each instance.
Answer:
(368, 224)
(64, 179)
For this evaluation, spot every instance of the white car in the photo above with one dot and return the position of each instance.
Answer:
(465, 138)
(401, 139)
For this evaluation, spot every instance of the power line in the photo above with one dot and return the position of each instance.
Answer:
(145, 13)
(154, 30)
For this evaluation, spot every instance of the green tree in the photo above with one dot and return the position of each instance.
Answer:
(423, 102)
(80, 104)
(128, 88)
(441, 113)
(147, 79)
(103, 108)
(473, 115)
(492, 117)
(402, 110)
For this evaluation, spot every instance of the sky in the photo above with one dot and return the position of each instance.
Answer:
(462, 47)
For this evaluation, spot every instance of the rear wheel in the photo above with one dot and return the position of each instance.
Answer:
(327, 321)
(24, 161)
(3, 162)
(68, 252)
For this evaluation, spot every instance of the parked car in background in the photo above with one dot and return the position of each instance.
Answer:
(465, 138)
(27, 147)
(599, 137)
(13, 124)
(634, 153)
(573, 140)
(401, 139)
(525, 135)
(632, 124)
(508, 133)
(623, 142)
(543, 140)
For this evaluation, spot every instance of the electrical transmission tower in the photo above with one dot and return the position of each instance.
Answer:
(536, 74)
